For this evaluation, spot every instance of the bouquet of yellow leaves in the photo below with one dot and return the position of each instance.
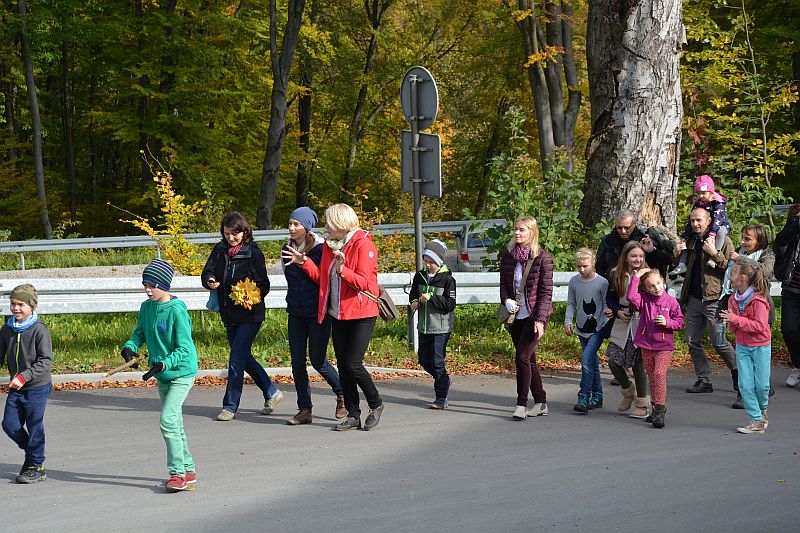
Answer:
(245, 293)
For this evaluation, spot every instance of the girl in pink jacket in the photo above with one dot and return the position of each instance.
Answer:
(747, 317)
(660, 315)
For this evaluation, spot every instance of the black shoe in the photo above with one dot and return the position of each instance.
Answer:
(739, 403)
(32, 474)
(700, 386)
(348, 423)
(26, 465)
(614, 382)
(658, 416)
(735, 378)
(373, 418)
(771, 391)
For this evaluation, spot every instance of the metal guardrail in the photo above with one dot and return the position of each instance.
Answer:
(121, 295)
(137, 241)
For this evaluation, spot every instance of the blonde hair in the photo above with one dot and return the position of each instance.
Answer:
(584, 253)
(341, 217)
(531, 224)
(753, 272)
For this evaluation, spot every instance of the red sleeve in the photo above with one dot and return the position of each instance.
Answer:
(361, 272)
(311, 268)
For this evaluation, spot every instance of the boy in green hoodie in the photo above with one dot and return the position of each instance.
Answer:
(433, 293)
(165, 326)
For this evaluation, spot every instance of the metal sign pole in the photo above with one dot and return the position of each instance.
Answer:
(415, 177)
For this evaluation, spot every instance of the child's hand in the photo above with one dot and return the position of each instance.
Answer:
(641, 272)
(661, 320)
(16, 383)
(291, 255)
(681, 246)
(155, 369)
(623, 315)
(212, 283)
(423, 298)
(734, 256)
(414, 306)
(568, 329)
(725, 315)
(647, 244)
(710, 246)
(608, 312)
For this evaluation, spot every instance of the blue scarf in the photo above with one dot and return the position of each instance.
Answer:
(19, 327)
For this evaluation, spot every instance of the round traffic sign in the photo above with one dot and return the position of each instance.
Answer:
(420, 81)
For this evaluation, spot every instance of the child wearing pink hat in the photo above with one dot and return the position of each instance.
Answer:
(714, 203)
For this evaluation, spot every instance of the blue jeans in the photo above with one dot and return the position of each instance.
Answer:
(240, 338)
(25, 408)
(753, 363)
(431, 353)
(306, 332)
(590, 364)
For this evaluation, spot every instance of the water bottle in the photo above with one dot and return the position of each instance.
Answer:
(719, 330)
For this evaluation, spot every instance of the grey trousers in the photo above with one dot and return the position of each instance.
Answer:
(699, 318)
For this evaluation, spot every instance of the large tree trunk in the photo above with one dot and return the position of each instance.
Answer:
(633, 53)
(69, 134)
(375, 9)
(36, 122)
(276, 132)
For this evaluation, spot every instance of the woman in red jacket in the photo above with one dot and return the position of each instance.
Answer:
(533, 311)
(349, 267)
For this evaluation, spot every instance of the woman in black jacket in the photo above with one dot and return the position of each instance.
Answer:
(787, 271)
(233, 260)
(306, 336)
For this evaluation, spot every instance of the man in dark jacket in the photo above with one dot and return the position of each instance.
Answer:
(626, 229)
(700, 296)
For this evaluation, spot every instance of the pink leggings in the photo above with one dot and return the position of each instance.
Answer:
(656, 364)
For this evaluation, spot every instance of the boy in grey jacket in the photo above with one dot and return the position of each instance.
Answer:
(433, 293)
(27, 349)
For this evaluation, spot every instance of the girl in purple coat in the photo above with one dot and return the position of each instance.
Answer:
(659, 315)
(532, 311)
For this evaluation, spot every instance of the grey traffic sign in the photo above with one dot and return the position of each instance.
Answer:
(429, 150)
(427, 96)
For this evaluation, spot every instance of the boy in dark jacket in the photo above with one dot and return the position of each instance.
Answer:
(433, 293)
(27, 349)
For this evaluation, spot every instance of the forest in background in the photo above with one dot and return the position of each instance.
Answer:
(187, 84)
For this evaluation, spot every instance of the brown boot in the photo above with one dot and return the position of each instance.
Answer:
(341, 412)
(303, 416)
(641, 408)
(627, 397)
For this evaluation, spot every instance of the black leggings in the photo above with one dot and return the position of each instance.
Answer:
(350, 342)
(639, 377)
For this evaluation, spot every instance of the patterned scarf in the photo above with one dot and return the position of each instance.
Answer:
(521, 253)
(233, 250)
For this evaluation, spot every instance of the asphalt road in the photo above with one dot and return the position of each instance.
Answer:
(469, 468)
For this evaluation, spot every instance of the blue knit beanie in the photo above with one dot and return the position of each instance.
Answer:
(305, 216)
(158, 274)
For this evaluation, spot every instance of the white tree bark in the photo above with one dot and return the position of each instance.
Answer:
(633, 53)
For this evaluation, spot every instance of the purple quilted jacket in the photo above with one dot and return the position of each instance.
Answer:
(538, 292)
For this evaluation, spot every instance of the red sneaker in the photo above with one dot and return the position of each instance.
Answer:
(190, 477)
(176, 483)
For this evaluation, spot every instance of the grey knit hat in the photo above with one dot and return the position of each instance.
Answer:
(436, 251)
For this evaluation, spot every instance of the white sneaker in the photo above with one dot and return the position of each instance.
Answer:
(794, 378)
(520, 413)
(538, 409)
(272, 403)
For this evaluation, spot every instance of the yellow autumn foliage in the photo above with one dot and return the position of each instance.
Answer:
(245, 293)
